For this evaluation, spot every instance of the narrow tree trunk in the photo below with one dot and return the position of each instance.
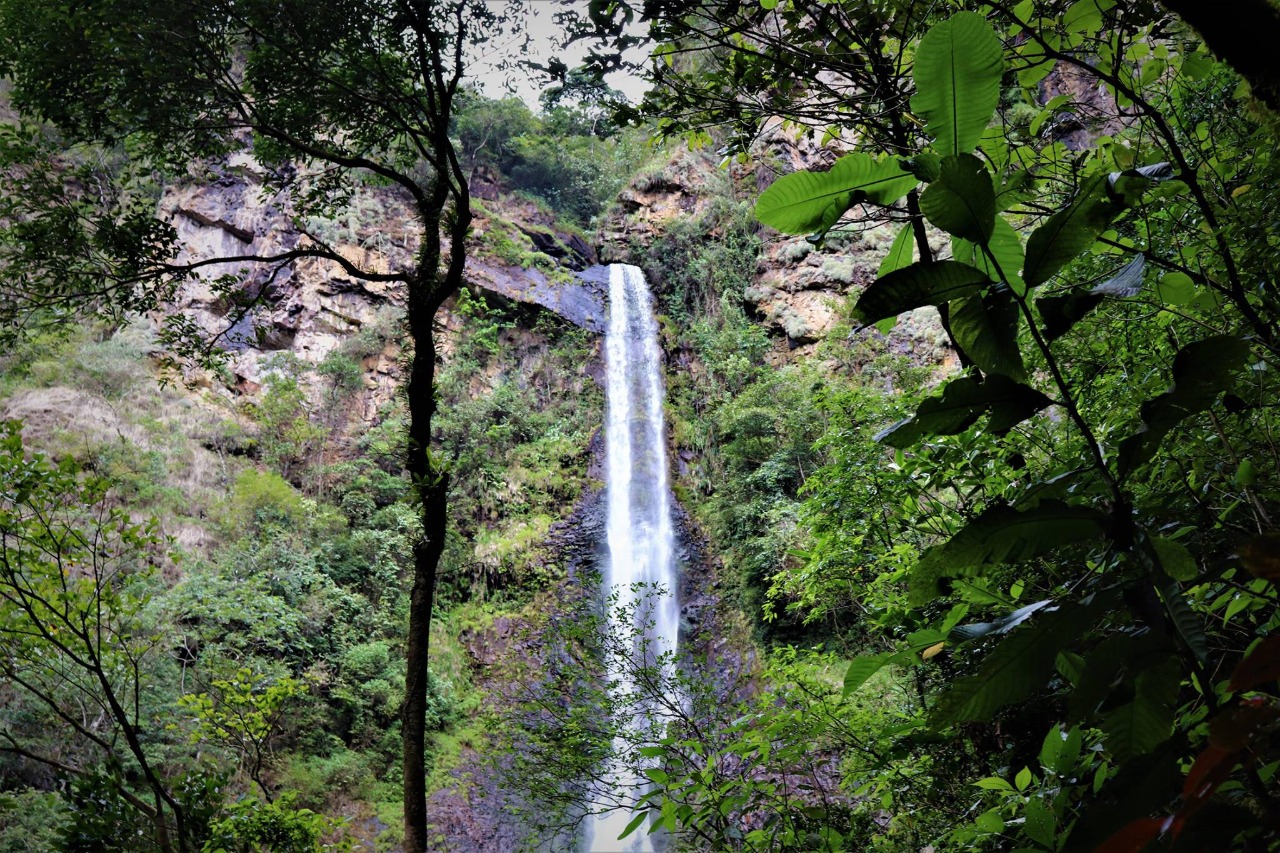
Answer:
(432, 488)
(427, 292)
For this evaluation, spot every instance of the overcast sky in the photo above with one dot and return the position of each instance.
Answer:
(545, 38)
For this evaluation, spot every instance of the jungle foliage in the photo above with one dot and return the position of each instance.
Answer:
(1068, 548)
(1032, 607)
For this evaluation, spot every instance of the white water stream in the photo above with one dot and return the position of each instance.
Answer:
(641, 535)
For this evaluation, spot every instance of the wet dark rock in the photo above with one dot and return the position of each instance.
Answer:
(488, 646)
(569, 249)
(472, 815)
(576, 300)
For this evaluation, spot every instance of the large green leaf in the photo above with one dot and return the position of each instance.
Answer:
(1201, 371)
(961, 403)
(1003, 258)
(1140, 726)
(1174, 559)
(962, 201)
(1073, 229)
(901, 253)
(1016, 187)
(986, 328)
(1106, 662)
(917, 285)
(861, 669)
(1070, 231)
(805, 202)
(1002, 534)
(957, 72)
(1186, 621)
(1017, 667)
(1130, 184)
(1060, 313)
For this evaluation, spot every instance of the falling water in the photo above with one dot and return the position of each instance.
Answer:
(641, 537)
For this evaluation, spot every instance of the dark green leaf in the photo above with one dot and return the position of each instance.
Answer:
(1176, 288)
(1106, 662)
(961, 403)
(1002, 534)
(1138, 727)
(917, 285)
(1139, 788)
(1015, 186)
(1040, 825)
(1003, 258)
(926, 166)
(631, 826)
(1175, 559)
(1070, 666)
(1060, 313)
(1201, 371)
(958, 66)
(962, 201)
(861, 669)
(1060, 749)
(1016, 667)
(986, 328)
(900, 254)
(1129, 185)
(1070, 231)
(814, 201)
(1185, 620)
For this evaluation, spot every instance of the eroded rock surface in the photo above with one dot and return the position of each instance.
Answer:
(310, 306)
(800, 293)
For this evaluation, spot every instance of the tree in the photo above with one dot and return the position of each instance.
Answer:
(76, 644)
(117, 97)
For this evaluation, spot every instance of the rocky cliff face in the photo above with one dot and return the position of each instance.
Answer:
(309, 307)
(799, 292)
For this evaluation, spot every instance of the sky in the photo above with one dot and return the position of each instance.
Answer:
(544, 38)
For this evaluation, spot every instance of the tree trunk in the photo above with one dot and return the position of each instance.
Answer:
(427, 291)
(432, 488)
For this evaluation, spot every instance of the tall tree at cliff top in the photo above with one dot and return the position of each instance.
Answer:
(115, 95)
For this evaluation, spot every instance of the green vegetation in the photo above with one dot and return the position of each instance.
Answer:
(273, 641)
(571, 160)
(1059, 563)
(1026, 605)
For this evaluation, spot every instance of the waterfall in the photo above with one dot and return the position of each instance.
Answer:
(641, 535)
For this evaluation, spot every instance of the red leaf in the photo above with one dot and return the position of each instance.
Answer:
(1262, 666)
(1210, 770)
(1135, 836)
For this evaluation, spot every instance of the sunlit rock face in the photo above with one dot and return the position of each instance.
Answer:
(309, 307)
(798, 292)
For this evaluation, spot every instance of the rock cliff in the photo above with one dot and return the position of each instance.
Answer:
(800, 292)
(309, 307)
